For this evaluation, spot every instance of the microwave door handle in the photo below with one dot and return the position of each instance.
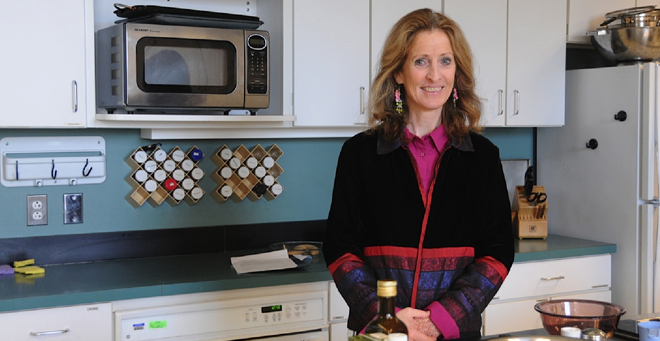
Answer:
(74, 95)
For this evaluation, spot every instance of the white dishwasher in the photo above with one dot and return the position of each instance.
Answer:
(257, 313)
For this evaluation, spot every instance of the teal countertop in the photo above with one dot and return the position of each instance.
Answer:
(82, 283)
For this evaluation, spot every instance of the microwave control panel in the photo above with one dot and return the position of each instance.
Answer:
(257, 64)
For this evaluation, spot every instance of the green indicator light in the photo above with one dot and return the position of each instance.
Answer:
(157, 324)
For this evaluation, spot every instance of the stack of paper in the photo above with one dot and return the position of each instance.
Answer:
(274, 260)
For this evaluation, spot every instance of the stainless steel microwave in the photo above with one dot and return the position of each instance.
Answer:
(148, 68)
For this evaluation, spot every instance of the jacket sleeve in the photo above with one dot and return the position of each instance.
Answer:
(344, 243)
(458, 312)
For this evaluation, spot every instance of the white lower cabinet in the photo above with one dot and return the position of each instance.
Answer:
(529, 283)
(337, 314)
(75, 323)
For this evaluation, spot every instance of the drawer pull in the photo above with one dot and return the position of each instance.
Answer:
(552, 278)
(52, 332)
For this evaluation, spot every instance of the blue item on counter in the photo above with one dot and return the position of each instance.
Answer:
(6, 270)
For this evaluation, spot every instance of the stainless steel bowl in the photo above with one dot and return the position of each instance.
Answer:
(627, 44)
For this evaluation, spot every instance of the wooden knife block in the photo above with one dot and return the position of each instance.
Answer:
(530, 220)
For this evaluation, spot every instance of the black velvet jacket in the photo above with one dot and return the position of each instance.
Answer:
(451, 252)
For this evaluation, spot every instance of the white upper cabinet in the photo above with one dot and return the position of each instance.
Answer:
(488, 50)
(587, 15)
(520, 59)
(330, 62)
(334, 63)
(44, 82)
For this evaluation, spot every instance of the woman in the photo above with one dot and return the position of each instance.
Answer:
(421, 197)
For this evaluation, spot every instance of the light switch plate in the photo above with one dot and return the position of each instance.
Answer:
(73, 208)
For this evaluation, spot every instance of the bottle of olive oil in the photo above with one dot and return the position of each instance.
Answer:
(386, 321)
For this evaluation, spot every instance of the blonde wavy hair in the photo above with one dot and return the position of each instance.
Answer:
(458, 120)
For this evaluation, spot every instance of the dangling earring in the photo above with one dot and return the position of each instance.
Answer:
(455, 96)
(397, 100)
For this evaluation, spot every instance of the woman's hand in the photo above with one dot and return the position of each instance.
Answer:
(411, 318)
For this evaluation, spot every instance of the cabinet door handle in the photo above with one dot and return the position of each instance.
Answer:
(74, 95)
(500, 104)
(552, 278)
(362, 95)
(516, 102)
(52, 332)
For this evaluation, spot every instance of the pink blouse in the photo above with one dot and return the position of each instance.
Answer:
(426, 150)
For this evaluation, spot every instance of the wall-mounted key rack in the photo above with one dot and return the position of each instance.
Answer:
(46, 161)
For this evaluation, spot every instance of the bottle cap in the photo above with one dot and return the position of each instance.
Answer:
(276, 189)
(169, 166)
(225, 154)
(226, 172)
(150, 186)
(187, 184)
(160, 175)
(140, 156)
(178, 155)
(243, 172)
(178, 175)
(160, 155)
(187, 165)
(141, 176)
(196, 193)
(252, 162)
(386, 288)
(268, 162)
(196, 155)
(150, 166)
(269, 180)
(260, 172)
(178, 194)
(197, 173)
(226, 191)
(170, 184)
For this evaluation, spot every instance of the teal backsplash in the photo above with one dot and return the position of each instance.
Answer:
(308, 164)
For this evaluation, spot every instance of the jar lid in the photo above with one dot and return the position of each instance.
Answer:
(196, 155)
(593, 334)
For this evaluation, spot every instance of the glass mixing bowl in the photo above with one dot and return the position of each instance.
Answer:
(582, 314)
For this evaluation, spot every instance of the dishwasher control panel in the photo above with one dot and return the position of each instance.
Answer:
(283, 313)
(271, 315)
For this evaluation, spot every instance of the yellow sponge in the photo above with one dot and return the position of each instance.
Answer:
(23, 263)
(30, 270)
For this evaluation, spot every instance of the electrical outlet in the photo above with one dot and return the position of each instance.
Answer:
(73, 208)
(37, 210)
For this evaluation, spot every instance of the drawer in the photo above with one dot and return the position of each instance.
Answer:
(556, 276)
(515, 316)
(75, 323)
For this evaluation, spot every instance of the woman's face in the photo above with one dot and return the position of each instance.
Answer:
(428, 72)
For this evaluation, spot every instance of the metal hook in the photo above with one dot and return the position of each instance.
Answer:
(17, 170)
(83, 170)
(53, 172)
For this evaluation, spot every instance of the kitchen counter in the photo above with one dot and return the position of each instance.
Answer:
(81, 283)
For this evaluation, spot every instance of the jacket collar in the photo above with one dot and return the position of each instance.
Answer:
(384, 147)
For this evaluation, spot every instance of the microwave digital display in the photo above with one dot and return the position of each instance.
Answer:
(178, 66)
